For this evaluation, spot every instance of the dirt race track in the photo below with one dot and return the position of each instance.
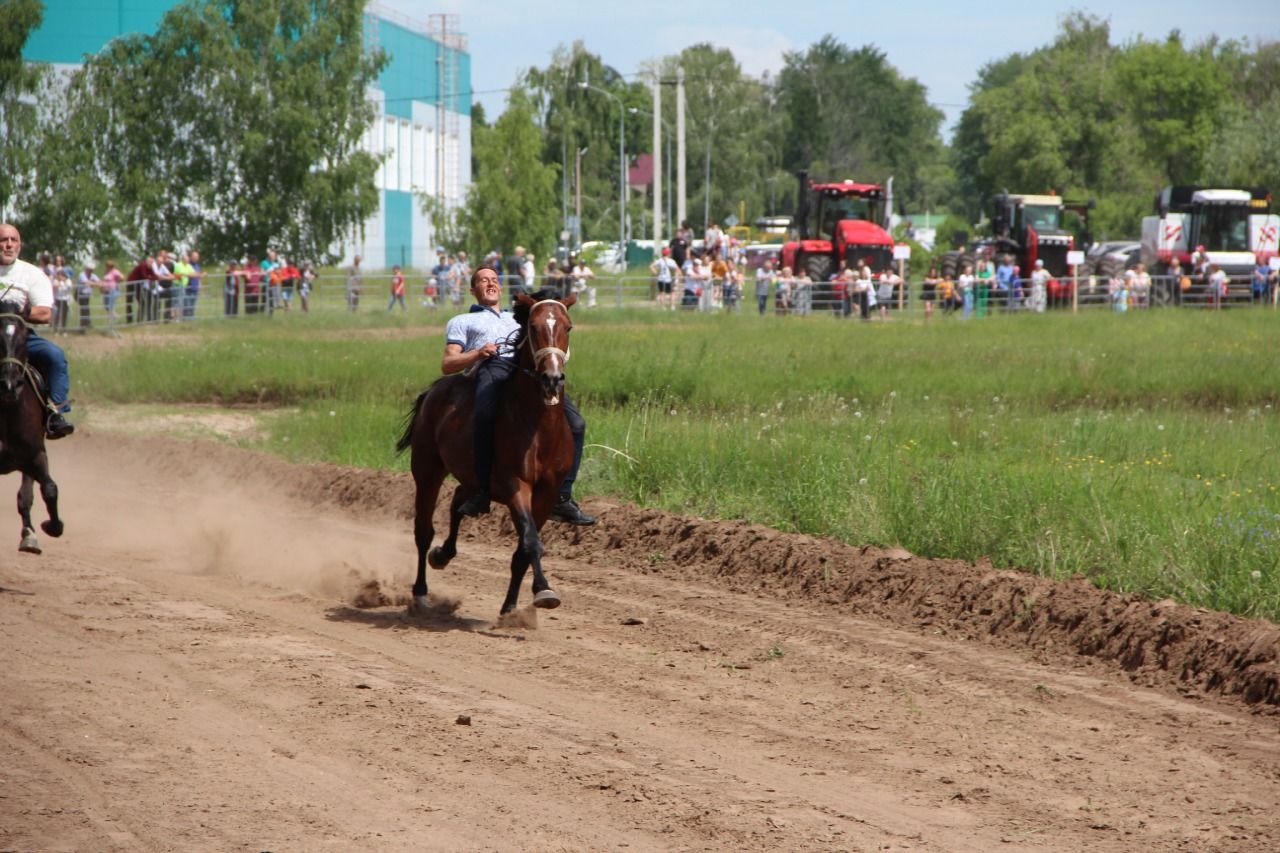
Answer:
(187, 669)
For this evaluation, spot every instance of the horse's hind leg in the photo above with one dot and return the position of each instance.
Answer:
(519, 565)
(29, 543)
(428, 481)
(440, 556)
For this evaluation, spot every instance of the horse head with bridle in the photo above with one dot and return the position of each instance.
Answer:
(22, 424)
(531, 458)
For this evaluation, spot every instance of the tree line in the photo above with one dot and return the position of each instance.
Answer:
(238, 125)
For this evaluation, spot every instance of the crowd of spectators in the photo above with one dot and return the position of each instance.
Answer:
(714, 276)
(161, 286)
(267, 286)
(708, 276)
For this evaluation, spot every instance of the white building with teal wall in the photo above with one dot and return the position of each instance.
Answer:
(423, 101)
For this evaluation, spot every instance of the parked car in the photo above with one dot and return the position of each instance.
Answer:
(603, 257)
(1114, 256)
(757, 253)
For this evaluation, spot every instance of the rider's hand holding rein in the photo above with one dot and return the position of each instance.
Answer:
(455, 360)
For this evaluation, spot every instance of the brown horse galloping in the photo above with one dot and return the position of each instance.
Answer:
(22, 415)
(532, 455)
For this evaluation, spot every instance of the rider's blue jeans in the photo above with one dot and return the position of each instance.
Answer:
(48, 358)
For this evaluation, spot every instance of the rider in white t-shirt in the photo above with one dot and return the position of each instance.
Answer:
(28, 288)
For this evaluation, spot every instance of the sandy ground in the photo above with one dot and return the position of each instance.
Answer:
(185, 670)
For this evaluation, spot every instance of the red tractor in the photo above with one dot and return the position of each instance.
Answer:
(1030, 228)
(838, 222)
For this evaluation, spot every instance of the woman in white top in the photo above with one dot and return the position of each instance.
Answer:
(582, 276)
(965, 285)
(885, 294)
(782, 292)
(1140, 291)
(803, 294)
(866, 289)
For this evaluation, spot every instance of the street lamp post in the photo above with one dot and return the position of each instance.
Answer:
(622, 171)
(577, 209)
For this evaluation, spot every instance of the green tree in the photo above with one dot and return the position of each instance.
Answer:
(851, 114)
(237, 125)
(1242, 149)
(1176, 97)
(1058, 119)
(573, 118)
(512, 200)
(19, 83)
(64, 206)
(731, 135)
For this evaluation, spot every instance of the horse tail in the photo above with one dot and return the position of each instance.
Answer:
(406, 439)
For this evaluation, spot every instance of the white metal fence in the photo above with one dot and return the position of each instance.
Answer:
(142, 303)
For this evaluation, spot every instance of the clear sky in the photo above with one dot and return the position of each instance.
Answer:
(941, 44)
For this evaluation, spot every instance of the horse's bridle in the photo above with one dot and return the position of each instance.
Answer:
(543, 352)
(21, 362)
(8, 359)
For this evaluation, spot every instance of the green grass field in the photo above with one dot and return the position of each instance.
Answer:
(1139, 450)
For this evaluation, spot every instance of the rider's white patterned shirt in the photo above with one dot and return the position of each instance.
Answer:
(482, 326)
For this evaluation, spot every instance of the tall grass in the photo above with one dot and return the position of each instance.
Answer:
(1137, 450)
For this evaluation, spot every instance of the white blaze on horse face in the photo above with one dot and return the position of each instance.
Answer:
(556, 366)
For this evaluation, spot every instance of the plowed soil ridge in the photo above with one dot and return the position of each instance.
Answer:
(1162, 644)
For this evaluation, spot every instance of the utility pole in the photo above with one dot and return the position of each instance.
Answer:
(657, 163)
(681, 213)
(577, 204)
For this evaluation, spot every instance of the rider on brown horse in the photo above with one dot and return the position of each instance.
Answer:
(477, 340)
(26, 285)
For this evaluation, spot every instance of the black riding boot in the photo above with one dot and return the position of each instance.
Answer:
(566, 508)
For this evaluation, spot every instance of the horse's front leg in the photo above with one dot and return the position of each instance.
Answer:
(530, 552)
(49, 491)
(29, 542)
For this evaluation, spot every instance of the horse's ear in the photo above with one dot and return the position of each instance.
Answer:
(569, 300)
(524, 299)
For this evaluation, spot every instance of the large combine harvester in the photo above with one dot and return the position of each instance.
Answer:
(1235, 226)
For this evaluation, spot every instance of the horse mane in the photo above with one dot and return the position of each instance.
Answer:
(10, 307)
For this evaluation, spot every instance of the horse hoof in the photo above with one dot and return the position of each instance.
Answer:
(546, 600)
(53, 528)
(421, 605)
(436, 558)
(30, 544)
